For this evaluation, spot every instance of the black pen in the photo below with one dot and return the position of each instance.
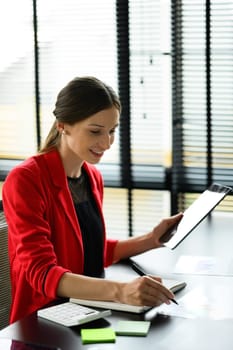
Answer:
(140, 272)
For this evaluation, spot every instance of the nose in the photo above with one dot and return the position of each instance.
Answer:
(106, 142)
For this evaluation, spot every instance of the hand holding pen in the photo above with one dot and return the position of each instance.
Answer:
(140, 272)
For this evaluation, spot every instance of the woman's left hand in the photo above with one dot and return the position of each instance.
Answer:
(161, 231)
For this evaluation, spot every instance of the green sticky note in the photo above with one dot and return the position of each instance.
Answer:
(98, 335)
(135, 328)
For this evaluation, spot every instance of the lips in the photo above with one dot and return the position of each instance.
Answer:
(97, 153)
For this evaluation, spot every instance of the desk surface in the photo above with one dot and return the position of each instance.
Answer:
(210, 244)
(213, 238)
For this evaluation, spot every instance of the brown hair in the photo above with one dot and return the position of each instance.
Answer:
(78, 100)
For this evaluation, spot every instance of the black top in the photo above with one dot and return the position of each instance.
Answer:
(90, 224)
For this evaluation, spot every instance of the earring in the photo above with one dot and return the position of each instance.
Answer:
(63, 132)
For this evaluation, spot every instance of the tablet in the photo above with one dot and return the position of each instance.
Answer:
(195, 213)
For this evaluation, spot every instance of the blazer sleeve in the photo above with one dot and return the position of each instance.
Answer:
(24, 202)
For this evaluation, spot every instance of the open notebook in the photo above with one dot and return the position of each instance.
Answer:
(171, 284)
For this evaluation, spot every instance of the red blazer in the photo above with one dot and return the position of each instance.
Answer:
(45, 239)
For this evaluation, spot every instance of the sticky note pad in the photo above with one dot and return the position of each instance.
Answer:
(98, 335)
(135, 328)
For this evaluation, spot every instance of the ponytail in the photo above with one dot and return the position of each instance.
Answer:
(52, 139)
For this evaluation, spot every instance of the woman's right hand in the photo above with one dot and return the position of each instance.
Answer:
(145, 290)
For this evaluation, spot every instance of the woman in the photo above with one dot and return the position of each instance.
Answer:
(53, 205)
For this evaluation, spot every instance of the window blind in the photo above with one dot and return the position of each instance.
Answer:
(150, 99)
(202, 95)
(75, 39)
(145, 140)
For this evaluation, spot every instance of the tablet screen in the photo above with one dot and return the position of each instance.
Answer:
(195, 213)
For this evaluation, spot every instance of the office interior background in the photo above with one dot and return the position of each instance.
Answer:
(171, 62)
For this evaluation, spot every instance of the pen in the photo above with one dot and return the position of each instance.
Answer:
(140, 272)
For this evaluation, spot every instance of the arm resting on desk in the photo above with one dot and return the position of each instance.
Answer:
(143, 290)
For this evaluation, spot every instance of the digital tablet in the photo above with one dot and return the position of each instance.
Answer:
(195, 213)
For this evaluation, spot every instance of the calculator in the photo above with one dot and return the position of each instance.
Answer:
(70, 314)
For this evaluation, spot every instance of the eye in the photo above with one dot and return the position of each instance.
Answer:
(112, 131)
(95, 131)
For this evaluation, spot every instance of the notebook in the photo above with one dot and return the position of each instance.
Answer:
(171, 284)
(111, 305)
(196, 212)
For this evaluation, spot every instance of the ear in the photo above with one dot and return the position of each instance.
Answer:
(60, 126)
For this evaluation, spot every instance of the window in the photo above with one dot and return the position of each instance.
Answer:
(17, 93)
(150, 104)
(202, 97)
(74, 38)
(170, 62)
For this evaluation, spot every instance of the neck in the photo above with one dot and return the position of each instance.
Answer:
(72, 164)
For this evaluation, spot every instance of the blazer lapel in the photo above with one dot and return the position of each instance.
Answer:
(59, 180)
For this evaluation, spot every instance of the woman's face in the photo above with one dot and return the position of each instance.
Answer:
(90, 138)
